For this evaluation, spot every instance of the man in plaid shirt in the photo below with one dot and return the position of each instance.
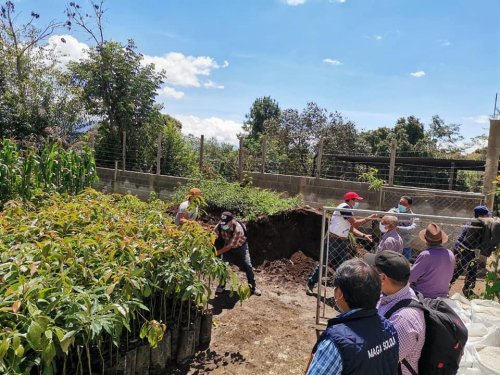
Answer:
(235, 249)
(394, 271)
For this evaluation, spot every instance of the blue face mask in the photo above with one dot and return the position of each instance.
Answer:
(356, 205)
(402, 208)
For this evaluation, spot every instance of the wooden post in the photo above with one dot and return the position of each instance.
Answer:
(202, 151)
(158, 155)
(320, 156)
(451, 180)
(240, 160)
(124, 146)
(264, 150)
(392, 162)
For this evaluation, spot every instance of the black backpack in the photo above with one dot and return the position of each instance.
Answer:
(445, 337)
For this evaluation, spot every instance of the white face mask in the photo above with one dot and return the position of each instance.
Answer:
(224, 226)
(356, 205)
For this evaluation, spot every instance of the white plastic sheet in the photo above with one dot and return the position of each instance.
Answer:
(482, 319)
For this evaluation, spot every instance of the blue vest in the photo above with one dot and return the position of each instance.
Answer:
(367, 342)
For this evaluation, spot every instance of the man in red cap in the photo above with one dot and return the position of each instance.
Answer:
(341, 224)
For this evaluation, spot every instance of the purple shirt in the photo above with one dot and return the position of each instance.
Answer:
(391, 241)
(431, 274)
(410, 325)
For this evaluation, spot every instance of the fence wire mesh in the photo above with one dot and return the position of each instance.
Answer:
(472, 260)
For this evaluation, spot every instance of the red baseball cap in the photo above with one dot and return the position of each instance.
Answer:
(352, 195)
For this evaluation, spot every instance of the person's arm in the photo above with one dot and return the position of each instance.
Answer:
(237, 240)
(326, 360)
(362, 235)
(418, 268)
(410, 328)
(356, 223)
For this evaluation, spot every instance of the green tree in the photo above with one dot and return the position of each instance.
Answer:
(35, 101)
(261, 110)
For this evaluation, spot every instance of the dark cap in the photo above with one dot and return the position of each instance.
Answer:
(226, 217)
(481, 211)
(352, 195)
(393, 264)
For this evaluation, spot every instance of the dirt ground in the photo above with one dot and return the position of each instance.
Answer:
(275, 332)
(270, 334)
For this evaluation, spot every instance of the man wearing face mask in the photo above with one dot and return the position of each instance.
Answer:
(359, 340)
(406, 225)
(341, 224)
(391, 240)
(235, 249)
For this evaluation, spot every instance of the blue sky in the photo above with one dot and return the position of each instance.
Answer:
(372, 60)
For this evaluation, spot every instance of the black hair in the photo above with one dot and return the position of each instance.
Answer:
(408, 199)
(359, 282)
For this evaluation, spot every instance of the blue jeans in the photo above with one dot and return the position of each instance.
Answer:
(240, 257)
(407, 252)
(338, 253)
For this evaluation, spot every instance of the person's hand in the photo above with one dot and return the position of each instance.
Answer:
(373, 217)
(368, 237)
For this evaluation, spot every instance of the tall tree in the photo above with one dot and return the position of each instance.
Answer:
(34, 99)
(262, 109)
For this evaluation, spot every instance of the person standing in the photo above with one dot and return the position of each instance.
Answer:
(465, 251)
(235, 249)
(189, 209)
(406, 225)
(341, 224)
(391, 240)
(433, 269)
(358, 341)
(394, 271)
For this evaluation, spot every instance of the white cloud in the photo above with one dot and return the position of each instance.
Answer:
(444, 43)
(66, 48)
(337, 1)
(378, 37)
(212, 84)
(332, 62)
(170, 92)
(220, 129)
(295, 2)
(184, 70)
(418, 74)
(481, 119)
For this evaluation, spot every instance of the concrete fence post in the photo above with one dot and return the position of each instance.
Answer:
(453, 174)
(124, 149)
(158, 155)
(240, 160)
(264, 151)
(392, 162)
(202, 152)
(492, 157)
(320, 156)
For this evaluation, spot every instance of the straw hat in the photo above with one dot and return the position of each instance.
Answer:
(433, 235)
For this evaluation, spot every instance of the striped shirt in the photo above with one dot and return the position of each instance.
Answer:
(234, 237)
(410, 326)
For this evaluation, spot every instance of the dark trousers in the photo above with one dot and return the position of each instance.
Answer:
(339, 251)
(240, 257)
(465, 260)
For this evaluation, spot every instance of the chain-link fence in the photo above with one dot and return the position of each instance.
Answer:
(473, 259)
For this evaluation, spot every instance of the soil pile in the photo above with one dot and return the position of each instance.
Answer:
(295, 269)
